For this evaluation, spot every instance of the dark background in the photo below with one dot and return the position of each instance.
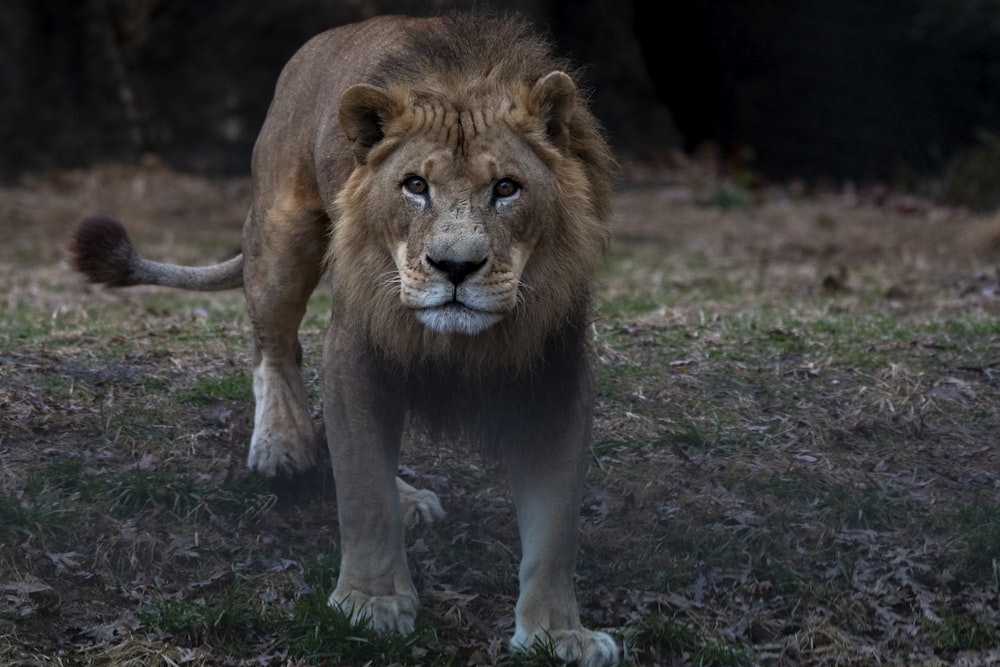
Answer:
(861, 90)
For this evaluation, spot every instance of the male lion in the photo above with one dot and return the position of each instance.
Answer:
(451, 180)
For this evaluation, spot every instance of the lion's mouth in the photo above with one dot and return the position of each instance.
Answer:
(456, 317)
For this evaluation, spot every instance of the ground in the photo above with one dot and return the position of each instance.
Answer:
(796, 458)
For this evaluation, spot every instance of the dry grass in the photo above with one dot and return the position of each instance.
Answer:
(796, 458)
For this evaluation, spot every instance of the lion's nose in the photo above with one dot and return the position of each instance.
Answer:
(456, 271)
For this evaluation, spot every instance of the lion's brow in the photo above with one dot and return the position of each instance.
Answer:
(454, 126)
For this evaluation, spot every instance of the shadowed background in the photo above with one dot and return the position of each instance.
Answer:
(898, 92)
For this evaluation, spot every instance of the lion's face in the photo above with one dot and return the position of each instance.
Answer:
(461, 225)
(468, 226)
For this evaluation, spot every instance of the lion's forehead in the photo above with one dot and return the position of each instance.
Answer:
(464, 128)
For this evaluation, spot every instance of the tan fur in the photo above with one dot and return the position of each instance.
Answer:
(448, 175)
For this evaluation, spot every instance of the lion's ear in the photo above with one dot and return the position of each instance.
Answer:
(555, 95)
(364, 111)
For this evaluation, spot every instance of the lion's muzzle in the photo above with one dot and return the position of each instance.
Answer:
(463, 312)
(452, 282)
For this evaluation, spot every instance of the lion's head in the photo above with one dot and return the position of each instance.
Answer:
(475, 214)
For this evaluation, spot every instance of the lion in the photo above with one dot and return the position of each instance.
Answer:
(448, 176)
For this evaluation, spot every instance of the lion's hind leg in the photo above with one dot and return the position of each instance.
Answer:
(283, 440)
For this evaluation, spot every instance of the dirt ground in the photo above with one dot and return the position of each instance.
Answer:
(796, 458)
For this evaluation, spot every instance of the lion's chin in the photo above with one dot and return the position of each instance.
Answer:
(457, 318)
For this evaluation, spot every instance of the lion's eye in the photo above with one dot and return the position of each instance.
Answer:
(415, 185)
(506, 187)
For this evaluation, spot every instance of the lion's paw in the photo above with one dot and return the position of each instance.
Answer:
(273, 454)
(382, 613)
(284, 439)
(418, 504)
(585, 648)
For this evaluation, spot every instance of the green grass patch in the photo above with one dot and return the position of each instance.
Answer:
(43, 503)
(962, 632)
(130, 421)
(699, 437)
(628, 306)
(226, 621)
(23, 323)
(66, 487)
(318, 631)
(136, 490)
(236, 388)
(665, 640)
(696, 544)
(540, 654)
(13, 513)
(65, 478)
(155, 385)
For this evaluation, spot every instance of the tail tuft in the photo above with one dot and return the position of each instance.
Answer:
(101, 250)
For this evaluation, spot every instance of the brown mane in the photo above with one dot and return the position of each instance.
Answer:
(476, 64)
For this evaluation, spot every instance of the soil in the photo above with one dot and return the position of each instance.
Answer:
(712, 504)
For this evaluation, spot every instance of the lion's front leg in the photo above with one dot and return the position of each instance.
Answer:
(547, 488)
(548, 511)
(364, 421)
(374, 586)
(283, 253)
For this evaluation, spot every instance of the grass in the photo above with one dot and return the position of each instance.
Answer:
(225, 621)
(979, 537)
(955, 633)
(667, 640)
(793, 458)
(61, 497)
(236, 387)
(318, 631)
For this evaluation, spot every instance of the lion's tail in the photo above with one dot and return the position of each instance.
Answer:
(101, 250)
